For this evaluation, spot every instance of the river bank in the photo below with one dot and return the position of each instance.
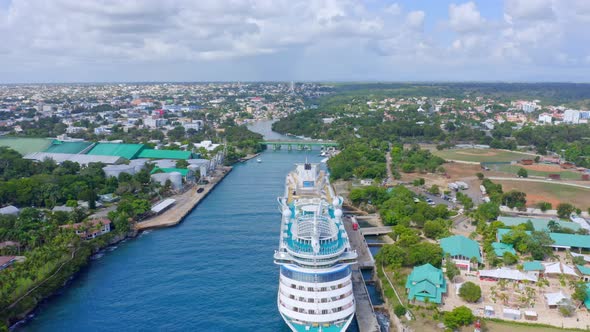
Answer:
(23, 308)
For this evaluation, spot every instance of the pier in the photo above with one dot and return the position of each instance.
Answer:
(185, 203)
(365, 314)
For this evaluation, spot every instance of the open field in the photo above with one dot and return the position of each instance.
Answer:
(481, 155)
(25, 145)
(542, 170)
(553, 193)
(494, 326)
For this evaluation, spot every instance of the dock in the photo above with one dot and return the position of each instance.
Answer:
(185, 203)
(365, 314)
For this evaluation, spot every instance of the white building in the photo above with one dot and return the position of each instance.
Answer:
(196, 125)
(154, 122)
(545, 118)
(529, 107)
(208, 145)
(571, 116)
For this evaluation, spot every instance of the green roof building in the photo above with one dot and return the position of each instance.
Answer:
(540, 224)
(560, 240)
(164, 154)
(461, 250)
(533, 266)
(74, 147)
(501, 248)
(426, 283)
(585, 271)
(128, 151)
(587, 300)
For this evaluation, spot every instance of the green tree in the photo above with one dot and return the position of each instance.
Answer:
(544, 206)
(399, 310)
(181, 163)
(522, 172)
(514, 199)
(460, 316)
(452, 269)
(580, 291)
(434, 189)
(564, 210)
(470, 292)
(509, 258)
(487, 211)
(480, 175)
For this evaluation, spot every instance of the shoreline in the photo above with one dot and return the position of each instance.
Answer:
(168, 218)
(186, 202)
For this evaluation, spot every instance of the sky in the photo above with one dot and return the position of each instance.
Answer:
(300, 40)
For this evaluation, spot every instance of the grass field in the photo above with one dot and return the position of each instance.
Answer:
(495, 326)
(481, 155)
(25, 145)
(532, 171)
(553, 193)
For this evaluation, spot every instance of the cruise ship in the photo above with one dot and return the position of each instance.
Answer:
(315, 258)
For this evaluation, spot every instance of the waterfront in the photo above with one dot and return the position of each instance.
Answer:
(213, 272)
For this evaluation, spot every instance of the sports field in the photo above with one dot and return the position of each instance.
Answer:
(481, 155)
(542, 170)
(553, 193)
(25, 145)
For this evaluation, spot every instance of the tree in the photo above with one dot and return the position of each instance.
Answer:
(399, 310)
(470, 292)
(522, 173)
(580, 291)
(509, 258)
(487, 211)
(435, 190)
(564, 210)
(514, 199)
(181, 163)
(544, 206)
(480, 175)
(460, 316)
(452, 269)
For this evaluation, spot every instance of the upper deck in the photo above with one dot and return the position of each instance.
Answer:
(312, 232)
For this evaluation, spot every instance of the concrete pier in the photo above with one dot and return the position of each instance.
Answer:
(185, 203)
(365, 315)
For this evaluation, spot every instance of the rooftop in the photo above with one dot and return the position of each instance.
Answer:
(540, 224)
(533, 266)
(129, 151)
(501, 248)
(560, 239)
(67, 147)
(426, 282)
(459, 245)
(164, 154)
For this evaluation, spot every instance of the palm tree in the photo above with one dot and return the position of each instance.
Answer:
(502, 284)
(503, 297)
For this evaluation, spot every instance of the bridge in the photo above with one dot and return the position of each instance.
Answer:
(299, 144)
(376, 230)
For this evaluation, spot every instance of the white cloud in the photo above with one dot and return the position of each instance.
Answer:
(530, 9)
(465, 17)
(393, 9)
(415, 19)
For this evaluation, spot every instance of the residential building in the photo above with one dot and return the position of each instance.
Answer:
(571, 116)
(426, 283)
(91, 229)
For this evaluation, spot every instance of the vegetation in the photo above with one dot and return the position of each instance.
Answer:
(564, 210)
(359, 161)
(470, 292)
(460, 316)
(522, 172)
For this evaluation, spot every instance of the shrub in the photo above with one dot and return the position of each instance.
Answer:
(399, 310)
(470, 292)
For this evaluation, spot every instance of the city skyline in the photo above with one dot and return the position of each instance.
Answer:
(149, 41)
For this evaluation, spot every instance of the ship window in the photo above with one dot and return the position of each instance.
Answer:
(310, 289)
(323, 289)
(324, 312)
(324, 300)
(311, 312)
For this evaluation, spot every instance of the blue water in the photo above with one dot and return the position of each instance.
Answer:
(213, 272)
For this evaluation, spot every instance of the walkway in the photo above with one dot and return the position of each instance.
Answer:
(375, 230)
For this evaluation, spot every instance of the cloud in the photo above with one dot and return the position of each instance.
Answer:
(213, 36)
(530, 10)
(465, 17)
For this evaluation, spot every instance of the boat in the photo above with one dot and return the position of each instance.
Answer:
(258, 160)
(315, 280)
